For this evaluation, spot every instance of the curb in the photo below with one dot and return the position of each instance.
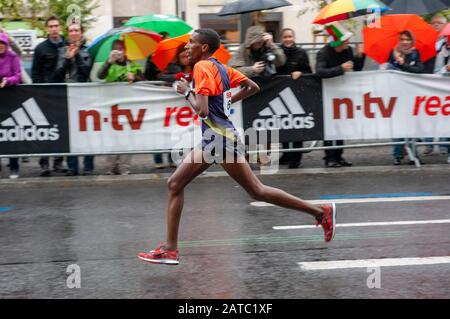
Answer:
(96, 180)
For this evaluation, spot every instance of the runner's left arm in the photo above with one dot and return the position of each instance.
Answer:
(249, 88)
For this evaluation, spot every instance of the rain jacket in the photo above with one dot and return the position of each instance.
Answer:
(45, 60)
(413, 63)
(329, 61)
(296, 60)
(9, 64)
(244, 58)
(118, 72)
(76, 69)
(442, 60)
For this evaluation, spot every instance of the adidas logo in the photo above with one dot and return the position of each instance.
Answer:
(285, 112)
(26, 125)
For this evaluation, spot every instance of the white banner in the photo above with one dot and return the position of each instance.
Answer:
(386, 104)
(138, 117)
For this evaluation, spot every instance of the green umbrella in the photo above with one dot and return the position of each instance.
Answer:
(170, 24)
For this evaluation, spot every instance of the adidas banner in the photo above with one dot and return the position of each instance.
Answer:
(294, 108)
(386, 104)
(34, 119)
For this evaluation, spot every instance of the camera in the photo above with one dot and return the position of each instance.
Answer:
(268, 58)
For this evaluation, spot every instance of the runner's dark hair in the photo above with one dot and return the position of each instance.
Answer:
(210, 37)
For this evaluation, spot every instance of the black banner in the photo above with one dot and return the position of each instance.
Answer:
(294, 107)
(34, 119)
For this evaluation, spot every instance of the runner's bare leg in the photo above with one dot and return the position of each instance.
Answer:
(240, 171)
(192, 166)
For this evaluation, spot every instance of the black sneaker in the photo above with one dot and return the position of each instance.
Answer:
(45, 172)
(71, 173)
(294, 164)
(397, 161)
(333, 164)
(345, 163)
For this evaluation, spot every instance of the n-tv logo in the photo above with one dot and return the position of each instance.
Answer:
(28, 123)
(284, 112)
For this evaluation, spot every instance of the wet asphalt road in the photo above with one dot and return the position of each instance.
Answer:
(228, 247)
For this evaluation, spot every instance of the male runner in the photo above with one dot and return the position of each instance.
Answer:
(212, 82)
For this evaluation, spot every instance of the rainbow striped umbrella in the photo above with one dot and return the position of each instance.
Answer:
(139, 43)
(346, 9)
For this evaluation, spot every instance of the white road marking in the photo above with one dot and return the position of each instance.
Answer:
(364, 200)
(365, 263)
(394, 223)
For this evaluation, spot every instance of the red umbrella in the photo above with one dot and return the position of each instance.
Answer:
(167, 50)
(446, 31)
(380, 40)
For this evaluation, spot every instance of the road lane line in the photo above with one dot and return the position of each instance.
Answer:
(364, 200)
(365, 263)
(371, 224)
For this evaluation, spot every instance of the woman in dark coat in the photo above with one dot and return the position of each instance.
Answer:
(297, 63)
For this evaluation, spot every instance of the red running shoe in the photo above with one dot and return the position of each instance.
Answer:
(328, 221)
(160, 256)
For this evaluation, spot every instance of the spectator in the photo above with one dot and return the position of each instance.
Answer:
(405, 57)
(178, 68)
(438, 23)
(43, 71)
(442, 67)
(152, 72)
(25, 78)
(333, 60)
(74, 65)
(119, 69)
(10, 75)
(251, 58)
(297, 63)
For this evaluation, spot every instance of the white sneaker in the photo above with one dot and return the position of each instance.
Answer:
(14, 175)
(127, 172)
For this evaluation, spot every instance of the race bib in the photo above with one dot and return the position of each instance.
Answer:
(227, 103)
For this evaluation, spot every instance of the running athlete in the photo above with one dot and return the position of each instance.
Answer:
(209, 99)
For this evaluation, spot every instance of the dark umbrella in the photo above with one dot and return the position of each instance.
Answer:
(245, 6)
(416, 6)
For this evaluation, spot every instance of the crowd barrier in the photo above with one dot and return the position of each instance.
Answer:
(118, 118)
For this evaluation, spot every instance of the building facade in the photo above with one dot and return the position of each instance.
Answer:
(203, 13)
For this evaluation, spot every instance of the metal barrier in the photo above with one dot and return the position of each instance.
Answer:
(410, 145)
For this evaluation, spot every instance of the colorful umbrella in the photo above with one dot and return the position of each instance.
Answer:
(379, 41)
(346, 9)
(246, 6)
(416, 6)
(167, 49)
(139, 43)
(169, 24)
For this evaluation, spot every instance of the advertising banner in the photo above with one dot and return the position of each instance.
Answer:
(386, 104)
(293, 108)
(34, 119)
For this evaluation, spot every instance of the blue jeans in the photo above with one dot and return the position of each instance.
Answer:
(442, 147)
(88, 163)
(397, 150)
